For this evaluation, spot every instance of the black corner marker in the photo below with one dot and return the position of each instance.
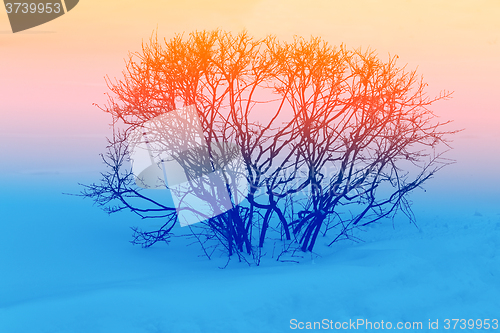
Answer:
(27, 14)
(70, 4)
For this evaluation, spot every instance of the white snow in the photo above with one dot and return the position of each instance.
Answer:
(67, 267)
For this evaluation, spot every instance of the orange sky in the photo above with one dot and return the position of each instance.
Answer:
(50, 75)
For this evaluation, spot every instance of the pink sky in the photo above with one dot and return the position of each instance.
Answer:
(50, 75)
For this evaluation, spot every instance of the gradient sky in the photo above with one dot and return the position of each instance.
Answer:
(51, 74)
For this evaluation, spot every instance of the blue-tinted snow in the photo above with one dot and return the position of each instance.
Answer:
(65, 266)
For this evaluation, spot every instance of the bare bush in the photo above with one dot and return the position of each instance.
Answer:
(332, 139)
